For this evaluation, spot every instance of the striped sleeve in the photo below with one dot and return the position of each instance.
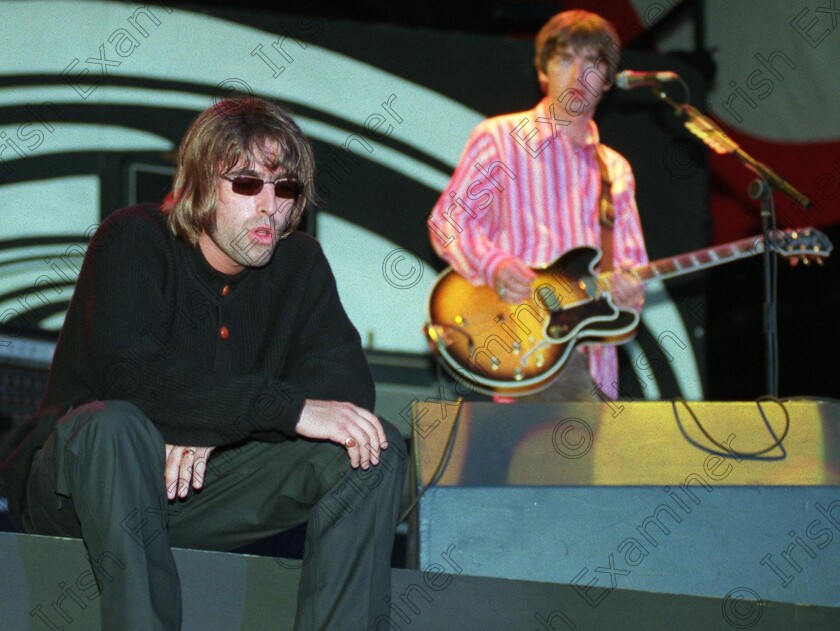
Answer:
(628, 237)
(464, 217)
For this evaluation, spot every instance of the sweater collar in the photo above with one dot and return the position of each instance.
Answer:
(210, 277)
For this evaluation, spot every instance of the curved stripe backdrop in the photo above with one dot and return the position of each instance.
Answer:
(94, 97)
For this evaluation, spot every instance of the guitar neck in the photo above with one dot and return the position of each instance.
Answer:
(691, 262)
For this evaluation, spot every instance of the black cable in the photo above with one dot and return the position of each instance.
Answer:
(725, 451)
(441, 467)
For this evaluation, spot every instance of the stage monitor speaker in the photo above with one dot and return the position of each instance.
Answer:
(655, 497)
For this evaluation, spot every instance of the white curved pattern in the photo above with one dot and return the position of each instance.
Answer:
(82, 137)
(205, 50)
(208, 51)
(110, 137)
(665, 324)
(383, 287)
(63, 205)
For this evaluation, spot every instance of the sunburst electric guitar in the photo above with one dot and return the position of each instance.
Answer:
(518, 349)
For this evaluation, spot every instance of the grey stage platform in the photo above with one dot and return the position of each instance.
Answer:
(633, 496)
(227, 592)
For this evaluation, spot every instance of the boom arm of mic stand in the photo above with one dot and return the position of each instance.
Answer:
(714, 137)
(717, 140)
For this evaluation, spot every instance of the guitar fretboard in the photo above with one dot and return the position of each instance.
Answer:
(701, 259)
(692, 261)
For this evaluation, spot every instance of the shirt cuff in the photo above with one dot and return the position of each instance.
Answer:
(491, 264)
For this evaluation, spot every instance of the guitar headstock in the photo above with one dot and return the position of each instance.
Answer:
(807, 245)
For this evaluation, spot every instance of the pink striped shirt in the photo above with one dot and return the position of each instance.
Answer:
(523, 189)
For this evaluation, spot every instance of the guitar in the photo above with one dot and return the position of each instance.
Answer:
(515, 350)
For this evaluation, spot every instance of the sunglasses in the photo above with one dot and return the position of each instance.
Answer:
(250, 186)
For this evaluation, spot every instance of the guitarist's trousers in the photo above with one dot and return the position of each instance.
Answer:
(574, 383)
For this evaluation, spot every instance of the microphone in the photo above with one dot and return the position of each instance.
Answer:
(629, 79)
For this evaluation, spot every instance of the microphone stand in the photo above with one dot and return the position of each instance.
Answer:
(766, 182)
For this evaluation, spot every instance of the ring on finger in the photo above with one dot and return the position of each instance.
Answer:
(188, 452)
(349, 442)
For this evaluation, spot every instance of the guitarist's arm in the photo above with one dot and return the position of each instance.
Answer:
(466, 237)
(629, 246)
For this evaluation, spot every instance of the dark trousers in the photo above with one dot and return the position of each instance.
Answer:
(100, 477)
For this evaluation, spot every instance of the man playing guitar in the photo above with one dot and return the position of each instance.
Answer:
(528, 188)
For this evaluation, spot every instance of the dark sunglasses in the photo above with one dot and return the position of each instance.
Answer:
(250, 186)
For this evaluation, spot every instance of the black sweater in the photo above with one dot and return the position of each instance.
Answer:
(210, 359)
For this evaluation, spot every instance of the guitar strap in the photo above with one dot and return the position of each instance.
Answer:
(606, 211)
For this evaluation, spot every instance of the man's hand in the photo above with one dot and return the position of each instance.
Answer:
(512, 281)
(345, 424)
(185, 466)
(627, 290)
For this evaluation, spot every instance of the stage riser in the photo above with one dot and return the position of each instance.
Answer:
(235, 592)
(563, 535)
(560, 491)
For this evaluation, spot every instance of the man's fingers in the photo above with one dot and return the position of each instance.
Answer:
(516, 275)
(628, 291)
(519, 287)
(514, 296)
(200, 467)
(172, 471)
(370, 451)
(379, 441)
(359, 452)
(198, 473)
(368, 438)
(513, 281)
(376, 440)
(186, 471)
(339, 421)
(380, 432)
(185, 467)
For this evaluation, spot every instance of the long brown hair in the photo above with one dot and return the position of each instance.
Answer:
(221, 136)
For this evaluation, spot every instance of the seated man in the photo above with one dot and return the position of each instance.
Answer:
(208, 390)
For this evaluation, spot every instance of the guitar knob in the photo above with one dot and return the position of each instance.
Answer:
(539, 360)
(516, 347)
(495, 363)
(517, 374)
